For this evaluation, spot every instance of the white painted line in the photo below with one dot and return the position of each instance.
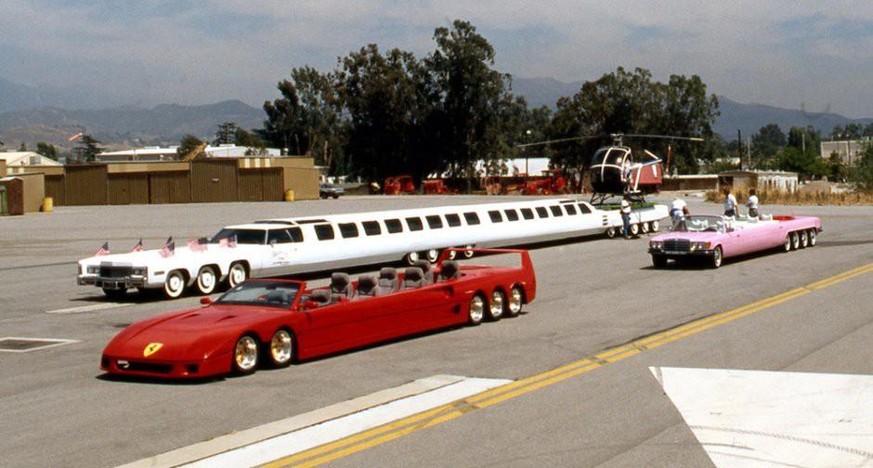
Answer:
(228, 443)
(88, 308)
(759, 418)
(320, 434)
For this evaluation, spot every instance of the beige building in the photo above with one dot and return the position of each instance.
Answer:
(849, 151)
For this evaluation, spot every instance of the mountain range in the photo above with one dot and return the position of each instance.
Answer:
(29, 115)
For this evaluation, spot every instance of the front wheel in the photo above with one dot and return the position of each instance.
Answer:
(715, 262)
(659, 261)
(476, 310)
(245, 355)
(237, 274)
(634, 230)
(610, 232)
(206, 280)
(281, 348)
(174, 285)
(787, 244)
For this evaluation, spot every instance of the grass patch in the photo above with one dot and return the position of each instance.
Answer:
(807, 197)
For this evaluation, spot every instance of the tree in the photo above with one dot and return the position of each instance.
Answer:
(767, 146)
(474, 96)
(188, 144)
(226, 133)
(47, 150)
(306, 118)
(862, 174)
(88, 149)
(254, 145)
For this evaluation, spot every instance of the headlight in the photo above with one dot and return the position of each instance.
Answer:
(699, 246)
(139, 271)
(93, 269)
(656, 245)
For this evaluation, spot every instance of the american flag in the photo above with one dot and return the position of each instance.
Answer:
(137, 247)
(75, 137)
(197, 245)
(229, 241)
(104, 250)
(169, 248)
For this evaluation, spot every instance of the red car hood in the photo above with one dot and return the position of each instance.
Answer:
(190, 334)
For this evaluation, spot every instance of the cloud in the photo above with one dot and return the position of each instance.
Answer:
(776, 52)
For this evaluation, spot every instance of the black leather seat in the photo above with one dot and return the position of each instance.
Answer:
(366, 286)
(387, 281)
(426, 269)
(413, 278)
(449, 270)
(340, 286)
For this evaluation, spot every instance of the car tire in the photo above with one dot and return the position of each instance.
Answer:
(281, 350)
(644, 227)
(497, 305)
(611, 232)
(115, 294)
(804, 240)
(412, 257)
(469, 252)
(716, 259)
(786, 246)
(244, 359)
(634, 230)
(174, 285)
(476, 310)
(207, 280)
(515, 301)
(812, 237)
(655, 225)
(659, 261)
(795, 241)
(236, 274)
(432, 255)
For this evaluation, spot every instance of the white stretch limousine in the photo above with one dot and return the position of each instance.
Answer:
(293, 245)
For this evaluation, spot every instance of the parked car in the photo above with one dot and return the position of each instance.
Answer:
(715, 238)
(273, 322)
(330, 190)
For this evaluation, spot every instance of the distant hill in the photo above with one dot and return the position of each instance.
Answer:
(125, 126)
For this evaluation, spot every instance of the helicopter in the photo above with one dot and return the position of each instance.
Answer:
(613, 171)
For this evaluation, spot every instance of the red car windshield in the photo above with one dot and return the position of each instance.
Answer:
(271, 293)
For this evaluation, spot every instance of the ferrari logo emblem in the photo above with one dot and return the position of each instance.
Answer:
(151, 348)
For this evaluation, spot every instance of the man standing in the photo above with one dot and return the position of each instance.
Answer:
(678, 212)
(625, 216)
(752, 203)
(730, 202)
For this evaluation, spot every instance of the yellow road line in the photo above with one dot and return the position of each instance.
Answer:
(385, 433)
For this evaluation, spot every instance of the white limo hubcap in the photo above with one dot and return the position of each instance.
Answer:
(206, 280)
(237, 274)
(175, 284)
(281, 348)
(245, 354)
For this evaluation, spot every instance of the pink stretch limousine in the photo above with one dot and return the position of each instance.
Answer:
(717, 237)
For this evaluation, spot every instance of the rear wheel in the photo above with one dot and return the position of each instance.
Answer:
(795, 241)
(245, 355)
(469, 252)
(497, 305)
(812, 237)
(610, 232)
(477, 310)
(715, 262)
(656, 225)
(207, 280)
(644, 227)
(659, 261)
(433, 255)
(237, 274)
(412, 257)
(804, 239)
(634, 229)
(281, 348)
(516, 299)
(174, 285)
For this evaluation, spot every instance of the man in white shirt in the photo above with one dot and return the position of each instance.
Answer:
(730, 202)
(752, 203)
(625, 216)
(678, 211)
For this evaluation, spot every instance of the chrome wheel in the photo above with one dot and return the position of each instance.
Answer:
(174, 285)
(453, 254)
(469, 252)
(516, 298)
(237, 274)
(610, 232)
(804, 240)
(644, 228)
(281, 348)
(716, 257)
(656, 226)
(206, 280)
(433, 255)
(787, 244)
(795, 241)
(245, 355)
(497, 305)
(412, 257)
(812, 237)
(477, 310)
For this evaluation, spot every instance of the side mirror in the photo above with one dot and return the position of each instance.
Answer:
(205, 300)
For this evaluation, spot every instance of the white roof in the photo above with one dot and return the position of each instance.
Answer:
(26, 158)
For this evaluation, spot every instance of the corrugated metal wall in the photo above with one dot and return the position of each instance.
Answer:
(128, 189)
(214, 181)
(261, 185)
(54, 187)
(170, 187)
(86, 185)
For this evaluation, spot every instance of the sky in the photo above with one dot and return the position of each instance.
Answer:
(810, 55)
